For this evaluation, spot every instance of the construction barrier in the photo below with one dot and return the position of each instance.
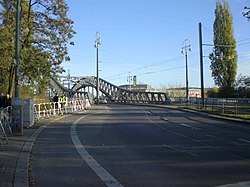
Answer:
(43, 110)
(5, 125)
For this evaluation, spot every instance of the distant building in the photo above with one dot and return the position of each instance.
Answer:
(138, 87)
(181, 92)
(172, 92)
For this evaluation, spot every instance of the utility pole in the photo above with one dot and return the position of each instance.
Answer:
(17, 50)
(129, 79)
(201, 63)
(185, 48)
(97, 43)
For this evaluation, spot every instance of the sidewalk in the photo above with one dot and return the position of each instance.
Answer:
(9, 157)
(14, 158)
(12, 171)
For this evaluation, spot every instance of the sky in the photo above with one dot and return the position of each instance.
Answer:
(144, 38)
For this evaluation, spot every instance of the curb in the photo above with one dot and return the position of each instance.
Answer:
(217, 116)
(21, 178)
(21, 174)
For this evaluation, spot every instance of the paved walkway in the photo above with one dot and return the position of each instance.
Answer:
(9, 157)
(13, 158)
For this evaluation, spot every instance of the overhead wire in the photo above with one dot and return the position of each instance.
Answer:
(175, 59)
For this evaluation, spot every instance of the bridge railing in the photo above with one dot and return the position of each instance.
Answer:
(54, 108)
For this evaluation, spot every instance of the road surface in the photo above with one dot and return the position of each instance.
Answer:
(137, 146)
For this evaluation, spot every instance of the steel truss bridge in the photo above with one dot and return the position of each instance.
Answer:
(73, 85)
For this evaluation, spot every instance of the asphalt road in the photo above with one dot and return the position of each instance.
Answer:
(122, 145)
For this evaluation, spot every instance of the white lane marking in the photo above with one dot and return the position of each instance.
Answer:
(164, 118)
(149, 112)
(101, 172)
(185, 125)
(189, 126)
(187, 152)
(212, 136)
(243, 140)
(239, 184)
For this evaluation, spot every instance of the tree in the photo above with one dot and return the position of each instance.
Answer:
(45, 34)
(247, 13)
(243, 86)
(224, 57)
(7, 48)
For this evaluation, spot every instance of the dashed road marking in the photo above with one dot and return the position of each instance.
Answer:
(189, 126)
(164, 118)
(187, 152)
(243, 140)
(185, 125)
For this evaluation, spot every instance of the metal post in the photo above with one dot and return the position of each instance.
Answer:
(201, 62)
(17, 50)
(97, 43)
(97, 75)
(186, 76)
(129, 79)
(185, 48)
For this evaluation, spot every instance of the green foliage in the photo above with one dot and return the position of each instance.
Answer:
(222, 92)
(224, 57)
(246, 13)
(213, 92)
(243, 86)
(45, 32)
(227, 92)
(240, 90)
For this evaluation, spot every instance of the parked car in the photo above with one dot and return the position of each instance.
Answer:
(103, 101)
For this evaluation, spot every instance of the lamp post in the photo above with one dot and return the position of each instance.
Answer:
(185, 48)
(17, 50)
(129, 79)
(97, 43)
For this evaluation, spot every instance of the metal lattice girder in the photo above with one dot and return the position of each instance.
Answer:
(113, 92)
(57, 86)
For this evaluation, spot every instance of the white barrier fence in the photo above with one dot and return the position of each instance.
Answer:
(5, 125)
(55, 108)
(41, 110)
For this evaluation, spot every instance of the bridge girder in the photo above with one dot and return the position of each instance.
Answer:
(115, 93)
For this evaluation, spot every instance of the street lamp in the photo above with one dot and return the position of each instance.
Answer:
(17, 50)
(97, 43)
(185, 48)
(129, 79)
